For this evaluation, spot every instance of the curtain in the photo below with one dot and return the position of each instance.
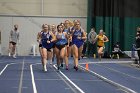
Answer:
(118, 18)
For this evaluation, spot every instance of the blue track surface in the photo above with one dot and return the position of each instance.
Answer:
(25, 75)
(126, 76)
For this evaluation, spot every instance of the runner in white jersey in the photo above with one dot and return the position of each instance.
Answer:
(13, 40)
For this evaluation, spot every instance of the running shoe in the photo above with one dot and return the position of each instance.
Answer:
(9, 54)
(62, 66)
(67, 68)
(14, 56)
(45, 69)
(50, 63)
(76, 68)
(58, 68)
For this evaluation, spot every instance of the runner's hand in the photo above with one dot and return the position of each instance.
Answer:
(79, 37)
(48, 41)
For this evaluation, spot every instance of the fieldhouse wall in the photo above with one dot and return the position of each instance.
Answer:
(29, 26)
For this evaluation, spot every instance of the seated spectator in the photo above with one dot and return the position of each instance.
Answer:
(116, 51)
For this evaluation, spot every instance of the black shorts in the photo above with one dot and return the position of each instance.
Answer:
(53, 45)
(13, 43)
(49, 50)
(60, 46)
(99, 46)
(70, 44)
(40, 45)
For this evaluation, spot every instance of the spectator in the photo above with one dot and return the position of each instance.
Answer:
(91, 47)
(138, 43)
(116, 50)
(13, 40)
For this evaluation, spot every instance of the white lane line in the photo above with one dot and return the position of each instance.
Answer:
(13, 62)
(3, 62)
(22, 87)
(128, 90)
(65, 81)
(6, 67)
(61, 78)
(33, 80)
(117, 71)
(71, 79)
(98, 62)
(21, 78)
(79, 89)
(36, 63)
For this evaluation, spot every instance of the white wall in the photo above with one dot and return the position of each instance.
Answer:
(56, 8)
(65, 7)
(28, 27)
(31, 14)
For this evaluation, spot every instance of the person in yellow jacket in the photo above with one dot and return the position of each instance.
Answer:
(101, 38)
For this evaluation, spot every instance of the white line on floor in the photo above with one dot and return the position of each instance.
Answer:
(128, 90)
(98, 62)
(6, 67)
(79, 89)
(21, 78)
(117, 71)
(33, 80)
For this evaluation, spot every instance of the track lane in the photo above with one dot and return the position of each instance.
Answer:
(89, 83)
(121, 74)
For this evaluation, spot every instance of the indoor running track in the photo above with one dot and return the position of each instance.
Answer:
(25, 75)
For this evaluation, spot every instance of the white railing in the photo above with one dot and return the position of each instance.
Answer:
(33, 50)
(132, 54)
